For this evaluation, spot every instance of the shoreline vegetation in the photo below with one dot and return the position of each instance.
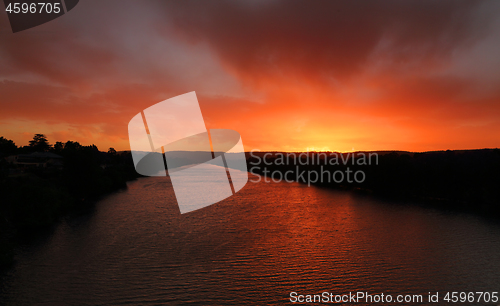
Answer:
(41, 183)
(465, 180)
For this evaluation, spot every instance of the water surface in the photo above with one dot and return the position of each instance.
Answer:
(254, 248)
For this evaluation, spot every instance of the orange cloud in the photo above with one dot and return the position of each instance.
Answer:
(287, 75)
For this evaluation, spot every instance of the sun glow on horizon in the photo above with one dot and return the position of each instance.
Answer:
(318, 149)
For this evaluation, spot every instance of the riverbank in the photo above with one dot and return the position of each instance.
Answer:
(37, 197)
(465, 180)
(460, 180)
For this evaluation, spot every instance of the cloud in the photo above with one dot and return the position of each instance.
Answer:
(414, 75)
(378, 75)
(94, 69)
(322, 40)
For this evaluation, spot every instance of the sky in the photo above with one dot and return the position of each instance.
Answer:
(287, 75)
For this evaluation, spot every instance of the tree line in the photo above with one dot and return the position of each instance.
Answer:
(459, 180)
(36, 197)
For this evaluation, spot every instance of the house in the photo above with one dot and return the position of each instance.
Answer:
(36, 160)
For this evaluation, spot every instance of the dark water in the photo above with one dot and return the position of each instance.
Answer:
(253, 248)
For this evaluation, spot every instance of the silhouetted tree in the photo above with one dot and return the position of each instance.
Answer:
(58, 147)
(112, 151)
(39, 143)
(72, 145)
(7, 147)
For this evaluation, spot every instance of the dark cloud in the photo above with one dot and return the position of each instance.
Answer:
(286, 74)
(324, 39)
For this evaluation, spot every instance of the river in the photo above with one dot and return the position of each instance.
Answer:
(254, 248)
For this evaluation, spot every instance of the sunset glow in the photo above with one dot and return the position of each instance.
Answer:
(394, 76)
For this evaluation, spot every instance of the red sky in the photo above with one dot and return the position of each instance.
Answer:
(287, 75)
